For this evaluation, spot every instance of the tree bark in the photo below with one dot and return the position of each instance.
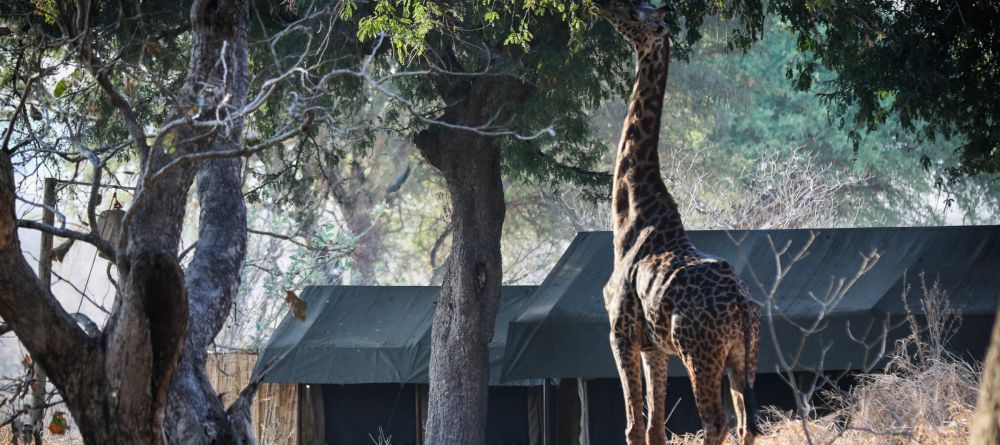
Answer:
(466, 310)
(195, 414)
(470, 294)
(986, 421)
(116, 386)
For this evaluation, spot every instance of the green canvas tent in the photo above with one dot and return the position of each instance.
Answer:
(563, 332)
(360, 360)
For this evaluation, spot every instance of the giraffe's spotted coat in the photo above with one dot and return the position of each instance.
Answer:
(666, 296)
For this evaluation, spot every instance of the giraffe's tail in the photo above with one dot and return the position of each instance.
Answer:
(750, 405)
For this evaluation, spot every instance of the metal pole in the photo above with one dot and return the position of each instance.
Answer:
(45, 276)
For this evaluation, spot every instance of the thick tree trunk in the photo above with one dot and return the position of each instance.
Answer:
(117, 386)
(470, 293)
(195, 414)
(986, 422)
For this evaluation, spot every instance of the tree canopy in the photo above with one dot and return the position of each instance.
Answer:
(931, 63)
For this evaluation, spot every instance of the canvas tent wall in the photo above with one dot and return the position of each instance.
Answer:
(563, 331)
(361, 359)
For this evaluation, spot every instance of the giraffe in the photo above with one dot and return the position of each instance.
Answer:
(666, 297)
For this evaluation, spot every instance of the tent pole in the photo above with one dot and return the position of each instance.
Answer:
(546, 413)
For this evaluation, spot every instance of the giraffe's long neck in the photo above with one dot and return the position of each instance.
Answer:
(639, 197)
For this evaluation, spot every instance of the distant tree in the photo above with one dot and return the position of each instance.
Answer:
(930, 63)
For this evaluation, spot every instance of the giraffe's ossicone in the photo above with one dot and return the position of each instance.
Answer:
(666, 297)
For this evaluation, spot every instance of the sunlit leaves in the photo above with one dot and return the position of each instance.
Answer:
(60, 88)
(168, 142)
(407, 21)
(46, 9)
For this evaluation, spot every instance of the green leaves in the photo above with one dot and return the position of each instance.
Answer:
(60, 88)
(168, 143)
(406, 22)
(920, 61)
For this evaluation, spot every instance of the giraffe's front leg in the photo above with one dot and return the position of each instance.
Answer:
(626, 349)
(655, 366)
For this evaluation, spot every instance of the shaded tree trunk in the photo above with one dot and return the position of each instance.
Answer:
(470, 294)
(470, 291)
(986, 422)
(195, 413)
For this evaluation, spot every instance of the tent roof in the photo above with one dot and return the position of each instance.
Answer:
(563, 332)
(368, 334)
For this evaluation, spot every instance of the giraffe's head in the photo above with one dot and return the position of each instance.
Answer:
(638, 20)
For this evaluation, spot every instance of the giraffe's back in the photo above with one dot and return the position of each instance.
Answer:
(692, 295)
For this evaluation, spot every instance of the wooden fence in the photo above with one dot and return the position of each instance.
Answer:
(275, 408)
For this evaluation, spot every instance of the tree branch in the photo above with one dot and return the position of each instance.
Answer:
(102, 245)
(99, 71)
(39, 320)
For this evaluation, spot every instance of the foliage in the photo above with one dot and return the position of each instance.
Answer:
(929, 63)
(523, 20)
(731, 110)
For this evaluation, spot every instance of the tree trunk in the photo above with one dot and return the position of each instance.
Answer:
(470, 293)
(195, 413)
(986, 422)
(116, 386)
(357, 196)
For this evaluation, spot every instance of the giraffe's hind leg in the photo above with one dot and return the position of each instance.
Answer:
(736, 370)
(705, 371)
(655, 369)
(626, 351)
(741, 365)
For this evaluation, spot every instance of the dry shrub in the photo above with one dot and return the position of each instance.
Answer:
(925, 395)
(927, 399)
